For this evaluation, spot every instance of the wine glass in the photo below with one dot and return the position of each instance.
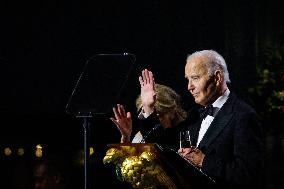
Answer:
(184, 139)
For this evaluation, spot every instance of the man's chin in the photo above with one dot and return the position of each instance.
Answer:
(196, 100)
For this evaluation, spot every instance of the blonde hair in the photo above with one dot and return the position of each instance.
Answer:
(167, 102)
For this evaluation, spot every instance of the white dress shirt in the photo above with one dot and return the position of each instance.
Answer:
(138, 138)
(208, 119)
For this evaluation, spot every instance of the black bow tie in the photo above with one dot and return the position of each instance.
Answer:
(207, 110)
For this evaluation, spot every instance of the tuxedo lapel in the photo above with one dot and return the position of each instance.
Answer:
(221, 120)
(215, 128)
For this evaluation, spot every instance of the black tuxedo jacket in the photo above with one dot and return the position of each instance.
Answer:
(233, 145)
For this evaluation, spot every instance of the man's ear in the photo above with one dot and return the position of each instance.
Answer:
(218, 77)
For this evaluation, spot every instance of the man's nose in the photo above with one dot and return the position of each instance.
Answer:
(190, 85)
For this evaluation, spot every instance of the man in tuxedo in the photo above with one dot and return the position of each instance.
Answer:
(227, 142)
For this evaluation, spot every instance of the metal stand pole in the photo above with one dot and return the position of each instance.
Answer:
(86, 126)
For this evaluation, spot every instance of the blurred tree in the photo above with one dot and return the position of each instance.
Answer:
(267, 95)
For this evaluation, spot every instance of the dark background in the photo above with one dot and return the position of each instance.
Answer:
(45, 44)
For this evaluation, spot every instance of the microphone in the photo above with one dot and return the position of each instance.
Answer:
(157, 126)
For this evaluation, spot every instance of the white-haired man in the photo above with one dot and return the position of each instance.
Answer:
(227, 139)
